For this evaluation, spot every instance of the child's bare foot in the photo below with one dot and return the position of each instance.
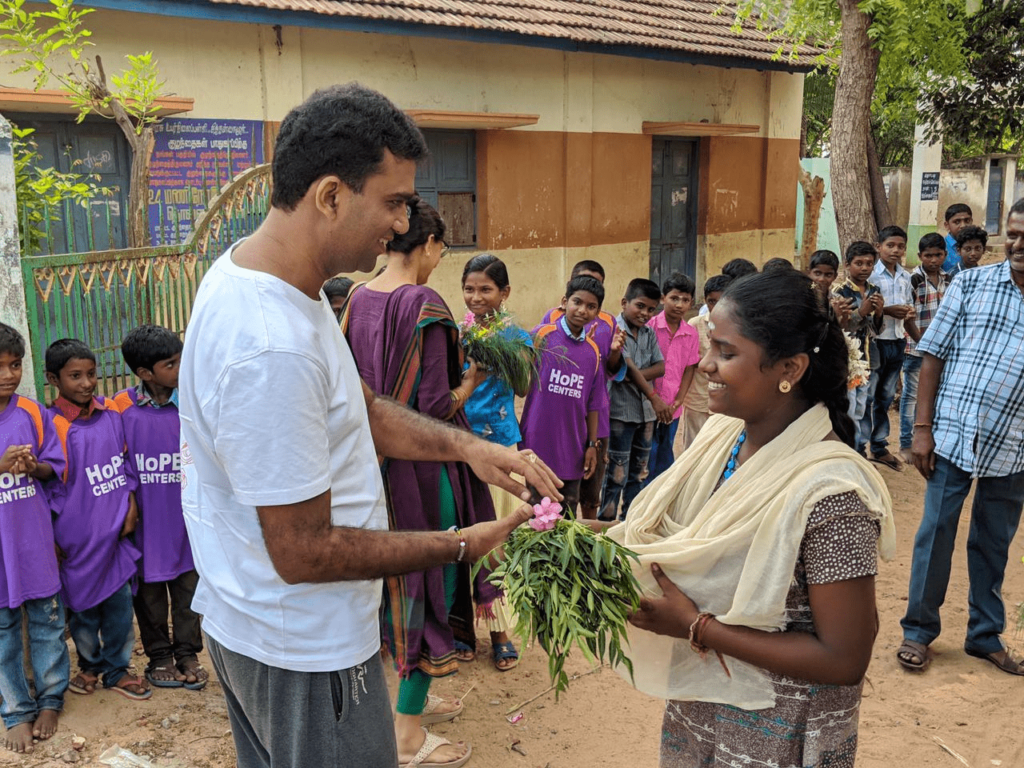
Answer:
(83, 683)
(46, 724)
(195, 675)
(19, 738)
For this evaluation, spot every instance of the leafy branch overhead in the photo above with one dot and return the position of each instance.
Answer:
(53, 45)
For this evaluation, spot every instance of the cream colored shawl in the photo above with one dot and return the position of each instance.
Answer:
(734, 552)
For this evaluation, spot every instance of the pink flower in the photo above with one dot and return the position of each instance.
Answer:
(469, 319)
(545, 515)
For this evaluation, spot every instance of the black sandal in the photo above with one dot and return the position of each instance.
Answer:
(913, 650)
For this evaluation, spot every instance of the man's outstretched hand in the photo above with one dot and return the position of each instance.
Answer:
(494, 464)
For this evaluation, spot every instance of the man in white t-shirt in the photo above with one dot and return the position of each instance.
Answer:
(281, 486)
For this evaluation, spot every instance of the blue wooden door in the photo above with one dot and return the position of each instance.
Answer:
(994, 201)
(673, 208)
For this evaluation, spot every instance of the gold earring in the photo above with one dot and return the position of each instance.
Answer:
(784, 386)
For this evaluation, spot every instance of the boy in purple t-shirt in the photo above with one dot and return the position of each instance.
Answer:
(152, 431)
(560, 417)
(679, 345)
(29, 453)
(602, 330)
(96, 512)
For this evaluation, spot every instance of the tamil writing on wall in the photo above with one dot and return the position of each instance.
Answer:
(192, 160)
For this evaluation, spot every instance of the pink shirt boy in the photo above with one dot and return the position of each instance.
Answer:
(680, 350)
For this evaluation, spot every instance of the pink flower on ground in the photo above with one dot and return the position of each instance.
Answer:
(545, 515)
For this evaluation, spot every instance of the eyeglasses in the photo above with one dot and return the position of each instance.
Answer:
(445, 250)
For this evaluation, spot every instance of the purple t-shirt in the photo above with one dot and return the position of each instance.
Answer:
(92, 509)
(28, 563)
(602, 330)
(154, 462)
(554, 423)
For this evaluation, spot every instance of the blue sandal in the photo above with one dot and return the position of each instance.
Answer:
(502, 652)
(462, 648)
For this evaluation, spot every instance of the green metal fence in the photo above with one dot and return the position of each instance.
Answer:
(101, 295)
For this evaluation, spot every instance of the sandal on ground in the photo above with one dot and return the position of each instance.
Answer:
(503, 651)
(916, 656)
(83, 684)
(163, 669)
(132, 687)
(191, 666)
(889, 460)
(430, 715)
(430, 743)
(463, 652)
(1001, 659)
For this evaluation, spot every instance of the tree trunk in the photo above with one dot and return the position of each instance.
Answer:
(138, 192)
(814, 196)
(879, 200)
(851, 127)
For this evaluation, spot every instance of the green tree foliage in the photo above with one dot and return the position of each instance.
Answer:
(52, 44)
(42, 192)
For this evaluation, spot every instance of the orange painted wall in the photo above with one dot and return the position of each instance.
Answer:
(747, 183)
(541, 189)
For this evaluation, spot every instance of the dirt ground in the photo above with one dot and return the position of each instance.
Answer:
(961, 702)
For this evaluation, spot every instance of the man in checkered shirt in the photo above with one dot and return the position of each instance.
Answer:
(970, 425)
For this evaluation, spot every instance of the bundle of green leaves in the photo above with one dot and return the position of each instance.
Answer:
(569, 586)
(497, 344)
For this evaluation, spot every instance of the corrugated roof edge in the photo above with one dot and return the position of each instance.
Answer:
(226, 10)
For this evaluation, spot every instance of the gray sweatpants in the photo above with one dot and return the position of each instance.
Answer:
(285, 719)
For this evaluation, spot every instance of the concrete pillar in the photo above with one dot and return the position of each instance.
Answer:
(924, 183)
(1009, 188)
(12, 290)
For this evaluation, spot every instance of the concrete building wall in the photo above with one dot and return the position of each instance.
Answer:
(575, 185)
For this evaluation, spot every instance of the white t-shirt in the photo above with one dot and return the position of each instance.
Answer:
(272, 412)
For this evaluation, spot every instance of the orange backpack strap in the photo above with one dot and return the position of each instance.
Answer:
(346, 308)
(31, 407)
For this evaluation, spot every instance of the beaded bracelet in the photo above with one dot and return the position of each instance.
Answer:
(697, 629)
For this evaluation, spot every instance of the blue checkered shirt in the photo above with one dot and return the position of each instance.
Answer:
(979, 409)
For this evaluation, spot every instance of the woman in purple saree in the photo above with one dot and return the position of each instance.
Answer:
(405, 343)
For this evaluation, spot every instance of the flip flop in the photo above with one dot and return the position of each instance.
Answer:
(430, 743)
(80, 684)
(502, 651)
(430, 715)
(889, 460)
(461, 647)
(134, 681)
(167, 666)
(916, 649)
(192, 666)
(1007, 664)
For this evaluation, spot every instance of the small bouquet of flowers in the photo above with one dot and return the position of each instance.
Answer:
(859, 369)
(497, 345)
(568, 586)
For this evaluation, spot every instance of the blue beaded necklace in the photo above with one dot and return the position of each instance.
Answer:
(730, 466)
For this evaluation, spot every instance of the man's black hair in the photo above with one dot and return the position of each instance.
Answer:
(931, 240)
(11, 342)
(677, 281)
(641, 286)
(147, 345)
(338, 286)
(341, 130)
(777, 263)
(716, 284)
(889, 232)
(587, 265)
(824, 258)
(588, 284)
(63, 351)
(956, 208)
(738, 268)
(860, 248)
(974, 232)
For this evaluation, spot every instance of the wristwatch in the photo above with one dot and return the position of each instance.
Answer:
(591, 443)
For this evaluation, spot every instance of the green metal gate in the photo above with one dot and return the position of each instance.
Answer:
(101, 295)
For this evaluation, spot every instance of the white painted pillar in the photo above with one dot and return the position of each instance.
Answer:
(1009, 187)
(924, 191)
(12, 290)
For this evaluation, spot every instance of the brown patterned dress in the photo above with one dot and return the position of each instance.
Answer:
(811, 724)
